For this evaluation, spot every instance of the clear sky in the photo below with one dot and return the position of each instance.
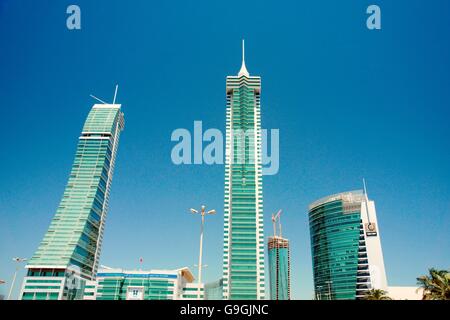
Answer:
(349, 103)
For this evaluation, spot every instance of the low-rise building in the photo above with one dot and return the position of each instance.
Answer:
(120, 284)
(214, 290)
(193, 291)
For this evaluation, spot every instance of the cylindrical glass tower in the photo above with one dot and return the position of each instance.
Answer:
(346, 251)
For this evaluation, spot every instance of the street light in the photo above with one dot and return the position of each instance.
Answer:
(329, 289)
(18, 261)
(203, 212)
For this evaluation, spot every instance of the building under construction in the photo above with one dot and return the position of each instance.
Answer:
(279, 264)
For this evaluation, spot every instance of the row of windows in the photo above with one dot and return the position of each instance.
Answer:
(39, 296)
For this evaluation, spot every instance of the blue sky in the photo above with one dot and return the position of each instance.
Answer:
(349, 103)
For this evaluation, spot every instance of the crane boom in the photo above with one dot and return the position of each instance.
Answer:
(275, 218)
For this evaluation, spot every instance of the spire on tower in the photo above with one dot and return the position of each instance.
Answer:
(243, 71)
(365, 189)
(366, 201)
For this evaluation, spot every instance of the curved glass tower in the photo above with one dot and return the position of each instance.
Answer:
(243, 260)
(345, 246)
(70, 251)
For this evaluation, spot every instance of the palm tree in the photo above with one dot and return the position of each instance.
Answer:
(435, 286)
(376, 294)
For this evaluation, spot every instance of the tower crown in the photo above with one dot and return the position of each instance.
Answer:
(243, 71)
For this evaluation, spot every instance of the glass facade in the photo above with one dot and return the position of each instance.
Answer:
(192, 291)
(75, 234)
(279, 268)
(214, 290)
(117, 288)
(243, 269)
(338, 249)
(119, 284)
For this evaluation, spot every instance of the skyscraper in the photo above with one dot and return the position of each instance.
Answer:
(279, 262)
(243, 260)
(69, 254)
(279, 268)
(345, 246)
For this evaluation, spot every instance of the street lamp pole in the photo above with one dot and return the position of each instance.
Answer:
(203, 212)
(18, 261)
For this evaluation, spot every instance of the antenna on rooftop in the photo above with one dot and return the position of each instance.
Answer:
(92, 96)
(103, 102)
(115, 94)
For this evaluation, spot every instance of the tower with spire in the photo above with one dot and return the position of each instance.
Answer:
(243, 71)
(243, 259)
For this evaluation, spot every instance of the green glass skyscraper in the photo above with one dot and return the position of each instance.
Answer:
(243, 260)
(345, 246)
(69, 254)
(279, 268)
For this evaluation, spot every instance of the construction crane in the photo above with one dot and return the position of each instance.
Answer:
(276, 217)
